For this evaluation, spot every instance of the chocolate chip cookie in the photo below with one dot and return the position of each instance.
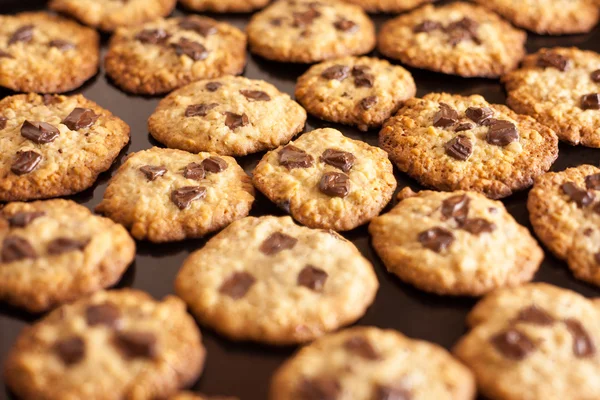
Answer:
(119, 344)
(571, 104)
(55, 145)
(269, 280)
(44, 53)
(307, 31)
(224, 6)
(164, 195)
(359, 91)
(388, 6)
(165, 54)
(458, 39)
(230, 116)
(367, 363)
(534, 342)
(457, 243)
(326, 180)
(451, 142)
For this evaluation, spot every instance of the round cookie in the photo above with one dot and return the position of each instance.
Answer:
(44, 53)
(231, 116)
(359, 91)
(366, 363)
(55, 145)
(109, 15)
(119, 344)
(451, 142)
(457, 243)
(571, 104)
(534, 342)
(165, 195)
(224, 6)
(165, 54)
(458, 39)
(306, 31)
(326, 180)
(56, 251)
(564, 209)
(388, 6)
(269, 280)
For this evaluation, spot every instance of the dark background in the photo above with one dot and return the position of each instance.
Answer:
(245, 369)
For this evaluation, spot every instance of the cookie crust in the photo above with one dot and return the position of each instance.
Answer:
(225, 6)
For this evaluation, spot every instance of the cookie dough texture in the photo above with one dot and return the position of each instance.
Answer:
(269, 280)
(44, 53)
(369, 185)
(365, 363)
(119, 344)
(558, 105)
(467, 40)
(236, 116)
(148, 58)
(109, 15)
(68, 164)
(388, 6)
(419, 148)
(359, 91)
(146, 205)
(533, 342)
(224, 6)
(305, 31)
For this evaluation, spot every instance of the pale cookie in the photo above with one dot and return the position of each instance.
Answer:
(43, 53)
(388, 6)
(165, 195)
(326, 180)
(306, 31)
(165, 54)
(231, 116)
(451, 142)
(368, 363)
(534, 342)
(196, 396)
(564, 209)
(55, 145)
(359, 91)
(109, 15)
(458, 243)
(119, 344)
(269, 280)
(571, 103)
(224, 6)
(56, 251)
(458, 39)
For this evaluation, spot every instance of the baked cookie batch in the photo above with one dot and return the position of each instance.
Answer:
(296, 280)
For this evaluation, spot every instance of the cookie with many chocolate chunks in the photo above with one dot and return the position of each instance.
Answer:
(269, 280)
(388, 6)
(224, 6)
(534, 342)
(450, 142)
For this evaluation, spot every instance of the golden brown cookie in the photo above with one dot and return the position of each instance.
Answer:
(224, 6)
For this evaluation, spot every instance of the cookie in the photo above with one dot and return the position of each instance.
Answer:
(43, 53)
(564, 209)
(548, 17)
(269, 280)
(119, 344)
(196, 396)
(451, 142)
(457, 39)
(571, 104)
(359, 91)
(164, 195)
(457, 243)
(224, 6)
(388, 6)
(534, 342)
(366, 363)
(326, 180)
(165, 54)
(55, 145)
(306, 31)
(109, 15)
(231, 116)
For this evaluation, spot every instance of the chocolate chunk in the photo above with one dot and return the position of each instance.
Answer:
(554, 60)
(237, 285)
(313, 278)
(459, 147)
(214, 164)
(22, 219)
(25, 162)
(445, 116)
(583, 346)
(292, 157)
(15, 248)
(255, 95)
(368, 102)
(199, 110)
(193, 50)
(213, 86)
(335, 184)
(502, 133)
(477, 226)
(65, 245)
(71, 351)
(340, 159)
(465, 126)
(39, 132)
(595, 76)
(361, 347)
(62, 45)
(182, 197)
(50, 99)
(427, 26)
(321, 388)
(437, 239)
(363, 80)
(392, 393)
(588, 232)
(591, 101)
(202, 27)
(592, 182)
(3, 122)
(582, 197)
(302, 19)
(513, 344)
(4, 54)
(345, 25)
(276, 21)
(457, 36)
(152, 172)
(284, 205)
(463, 30)
(535, 315)
(339, 72)
(456, 207)
(153, 36)
(277, 242)
(23, 34)
(194, 171)
(136, 344)
(106, 314)
(479, 114)
(80, 118)
(234, 121)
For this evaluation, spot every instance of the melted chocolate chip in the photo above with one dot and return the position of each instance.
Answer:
(153, 36)
(345, 25)
(553, 60)
(152, 172)
(62, 45)
(136, 344)
(368, 102)
(214, 164)
(392, 393)
(363, 79)
(318, 388)
(292, 157)
(513, 344)
(427, 26)
(65, 245)
(465, 126)
(479, 114)
(339, 159)
(3, 122)
(335, 184)
(445, 116)
(313, 278)
(255, 95)
(237, 285)
(184, 196)
(592, 182)
(582, 197)
(25, 162)
(80, 118)
(199, 110)
(71, 351)
(456, 207)
(591, 101)
(583, 346)
(459, 147)
(595, 76)
(15, 248)
(39, 132)
(193, 50)
(276, 243)
(194, 171)
(234, 121)
(23, 34)
(4, 54)
(339, 72)
(361, 347)
(535, 315)
(105, 314)
(463, 30)
(302, 19)
(477, 226)
(502, 133)
(213, 86)
(436, 239)
(22, 219)
(201, 27)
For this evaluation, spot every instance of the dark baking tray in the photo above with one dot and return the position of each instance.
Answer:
(244, 369)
